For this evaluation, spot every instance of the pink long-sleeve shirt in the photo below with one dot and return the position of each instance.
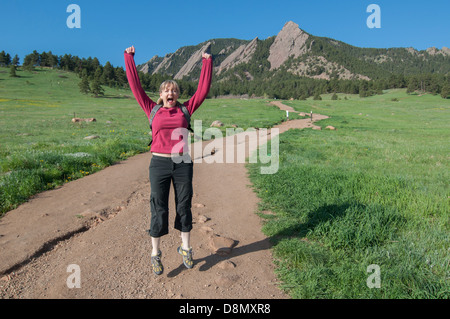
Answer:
(167, 120)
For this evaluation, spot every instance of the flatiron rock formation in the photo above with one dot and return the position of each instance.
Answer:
(291, 41)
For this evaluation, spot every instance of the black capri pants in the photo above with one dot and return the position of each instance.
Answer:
(164, 171)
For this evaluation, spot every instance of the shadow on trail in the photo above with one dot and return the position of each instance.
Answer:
(314, 218)
(210, 261)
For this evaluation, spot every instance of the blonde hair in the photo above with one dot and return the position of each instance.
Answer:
(166, 84)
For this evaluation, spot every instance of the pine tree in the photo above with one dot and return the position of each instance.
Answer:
(15, 60)
(107, 77)
(96, 88)
(120, 77)
(31, 60)
(98, 73)
(445, 92)
(12, 72)
(96, 85)
(7, 59)
(317, 96)
(84, 84)
(2, 58)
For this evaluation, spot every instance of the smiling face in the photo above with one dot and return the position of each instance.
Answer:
(169, 93)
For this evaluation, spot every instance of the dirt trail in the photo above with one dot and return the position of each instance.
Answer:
(99, 223)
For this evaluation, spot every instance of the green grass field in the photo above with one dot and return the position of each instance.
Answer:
(373, 192)
(41, 148)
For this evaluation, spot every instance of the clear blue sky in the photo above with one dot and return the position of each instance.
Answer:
(161, 27)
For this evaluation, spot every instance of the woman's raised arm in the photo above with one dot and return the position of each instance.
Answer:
(135, 84)
(204, 84)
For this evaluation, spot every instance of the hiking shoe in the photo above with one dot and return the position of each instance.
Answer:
(187, 257)
(157, 266)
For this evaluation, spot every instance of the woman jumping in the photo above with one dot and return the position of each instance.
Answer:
(170, 161)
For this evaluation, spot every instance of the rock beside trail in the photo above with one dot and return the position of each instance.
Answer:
(221, 245)
(77, 120)
(226, 265)
(203, 218)
(91, 137)
(216, 124)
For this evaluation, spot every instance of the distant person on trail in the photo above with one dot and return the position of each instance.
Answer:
(171, 162)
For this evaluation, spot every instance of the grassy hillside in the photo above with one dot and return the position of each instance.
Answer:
(41, 148)
(373, 192)
(379, 63)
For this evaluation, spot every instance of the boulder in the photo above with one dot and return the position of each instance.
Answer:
(221, 245)
(202, 219)
(91, 137)
(216, 124)
(77, 120)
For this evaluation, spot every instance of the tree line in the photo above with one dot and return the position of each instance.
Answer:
(90, 70)
(6, 60)
(279, 84)
(284, 85)
(93, 75)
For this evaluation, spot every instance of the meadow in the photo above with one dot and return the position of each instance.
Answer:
(40, 147)
(374, 194)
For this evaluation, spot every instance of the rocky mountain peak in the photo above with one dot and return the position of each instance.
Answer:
(290, 41)
(242, 54)
(191, 63)
(434, 51)
(291, 49)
